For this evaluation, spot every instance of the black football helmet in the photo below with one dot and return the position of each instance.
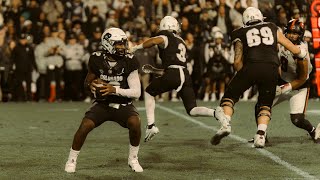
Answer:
(295, 26)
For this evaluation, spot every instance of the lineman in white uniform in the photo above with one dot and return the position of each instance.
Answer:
(295, 75)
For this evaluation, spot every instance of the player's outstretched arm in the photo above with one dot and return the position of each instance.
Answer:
(300, 53)
(147, 44)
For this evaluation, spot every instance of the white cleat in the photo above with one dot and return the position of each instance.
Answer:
(221, 133)
(225, 129)
(134, 165)
(70, 167)
(150, 133)
(259, 141)
(317, 132)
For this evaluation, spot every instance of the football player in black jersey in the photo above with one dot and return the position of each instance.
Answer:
(114, 81)
(256, 62)
(172, 51)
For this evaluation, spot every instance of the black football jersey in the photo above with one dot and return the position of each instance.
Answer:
(176, 51)
(115, 75)
(259, 42)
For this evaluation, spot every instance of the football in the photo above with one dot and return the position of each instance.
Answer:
(100, 82)
(97, 94)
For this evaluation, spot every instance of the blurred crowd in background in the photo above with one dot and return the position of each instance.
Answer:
(47, 43)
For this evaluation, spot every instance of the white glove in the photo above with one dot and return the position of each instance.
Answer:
(278, 91)
(286, 88)
(133, 49)
(303, 53)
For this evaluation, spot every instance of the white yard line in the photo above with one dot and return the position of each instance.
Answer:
(264, 152)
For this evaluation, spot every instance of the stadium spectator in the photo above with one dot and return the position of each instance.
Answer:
(94, 21)
(162, 8)
(216, 68)
(191, 10)
(24, 62)
(41, 59)
(55, 52)
(223, 21)
(236, 15)
(19, 13)
(74, 53)
(111, 19)
(53, 9)
(195, 62)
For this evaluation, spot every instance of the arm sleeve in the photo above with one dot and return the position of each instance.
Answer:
(134, 90)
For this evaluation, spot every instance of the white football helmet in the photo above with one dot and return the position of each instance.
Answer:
(169, 23)
(252, 14)
(112, 36)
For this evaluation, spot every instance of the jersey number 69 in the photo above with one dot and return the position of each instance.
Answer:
(256, 36)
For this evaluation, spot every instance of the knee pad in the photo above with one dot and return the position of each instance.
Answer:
(227, 102)
(297, 119)
(264, 108)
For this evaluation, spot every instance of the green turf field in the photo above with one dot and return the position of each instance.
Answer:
(36, 137)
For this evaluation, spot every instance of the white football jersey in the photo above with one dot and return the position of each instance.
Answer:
(289, 64)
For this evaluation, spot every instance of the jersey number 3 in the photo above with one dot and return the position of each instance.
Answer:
(255, 36)
(182, 55)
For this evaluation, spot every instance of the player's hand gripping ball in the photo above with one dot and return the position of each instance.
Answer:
(96, 86)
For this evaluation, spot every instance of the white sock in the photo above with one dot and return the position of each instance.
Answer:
(150, 105)
(133, 151)
(73, 155)
(201, 111)
(262, 127)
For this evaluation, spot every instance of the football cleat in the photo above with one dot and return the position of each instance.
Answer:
(221, 133)
(252, 140)
(259, 141)
(225, 128)
(317, 132)
(70, 166)
(151, 131)
(134, 165)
